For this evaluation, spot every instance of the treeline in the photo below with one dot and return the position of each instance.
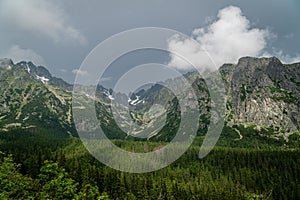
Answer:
(226, 173)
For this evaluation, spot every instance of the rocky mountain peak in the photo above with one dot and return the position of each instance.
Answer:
(250, 64)
(247, 60)
(42, 74)
(264, 92)
(37, 70)
(6, 63)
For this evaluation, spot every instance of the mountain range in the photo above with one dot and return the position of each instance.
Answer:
(262, 96)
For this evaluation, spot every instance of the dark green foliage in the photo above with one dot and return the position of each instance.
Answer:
(12, 183)
(243, 92)
(53, 182)
(281, 95)
(226, 173)
(253, 138)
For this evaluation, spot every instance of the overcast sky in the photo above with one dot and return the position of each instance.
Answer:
(60, 33)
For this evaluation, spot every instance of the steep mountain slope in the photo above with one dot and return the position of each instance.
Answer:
(263, 92)
(29, 103)
(263, 98)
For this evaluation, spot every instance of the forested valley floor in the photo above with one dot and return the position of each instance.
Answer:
(61, 168)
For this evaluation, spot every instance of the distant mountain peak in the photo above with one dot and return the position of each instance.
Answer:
(42, 74)
(6, 63)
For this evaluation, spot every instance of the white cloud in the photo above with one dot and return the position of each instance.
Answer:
(40, 16)
(226, 39)
(18, 54)
(284, 58)
(80, 72)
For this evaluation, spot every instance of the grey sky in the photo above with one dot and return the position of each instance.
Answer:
(68, 30)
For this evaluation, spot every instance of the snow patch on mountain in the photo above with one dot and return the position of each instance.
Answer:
(28, 69)
(136, 101)
(42, 78)
(109, 95)
(26, 66)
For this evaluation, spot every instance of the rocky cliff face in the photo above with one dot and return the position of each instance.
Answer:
(264, 92)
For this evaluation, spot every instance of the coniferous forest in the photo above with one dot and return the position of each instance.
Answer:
(61, 168)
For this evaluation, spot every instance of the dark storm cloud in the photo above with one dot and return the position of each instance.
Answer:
(61, 33)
